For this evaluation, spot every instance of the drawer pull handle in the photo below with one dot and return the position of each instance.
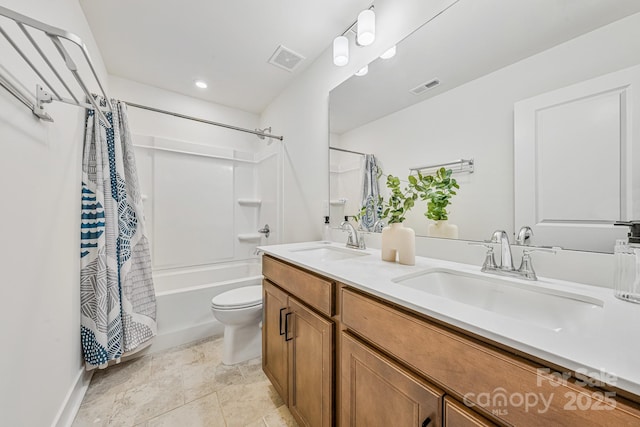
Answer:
(280, 324)
(286, 327)
(426, 422)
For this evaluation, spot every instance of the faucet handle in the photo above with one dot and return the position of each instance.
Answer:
(550, 249)
(526, 267)
(489, 258)
(362, 244)
(486, 243)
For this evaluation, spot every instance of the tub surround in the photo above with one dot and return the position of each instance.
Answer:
(602, 351)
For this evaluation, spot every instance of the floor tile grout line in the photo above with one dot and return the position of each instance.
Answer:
(224, 419)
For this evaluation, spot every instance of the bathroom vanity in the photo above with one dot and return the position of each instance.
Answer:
(351, 340)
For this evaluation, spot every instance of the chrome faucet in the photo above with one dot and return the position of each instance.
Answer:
(506, 260)
(354, 240)
(525, 271)
(378, 226)
(525, 236)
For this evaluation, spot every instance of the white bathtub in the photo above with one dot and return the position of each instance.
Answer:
(184, 300)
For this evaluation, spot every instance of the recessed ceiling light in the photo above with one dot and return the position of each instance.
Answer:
(389, 53)
(201, 84)
(362, 71)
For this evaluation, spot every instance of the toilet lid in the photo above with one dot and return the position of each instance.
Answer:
(246, 296)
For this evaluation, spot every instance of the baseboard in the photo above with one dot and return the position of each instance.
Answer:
(73, 399)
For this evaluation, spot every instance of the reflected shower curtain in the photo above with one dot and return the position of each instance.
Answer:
(371, 207)
(118, 305)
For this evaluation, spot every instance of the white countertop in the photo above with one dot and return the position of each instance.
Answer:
(609, 350)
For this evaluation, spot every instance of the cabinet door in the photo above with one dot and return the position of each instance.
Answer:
(311, 348)
(378, 392)
(274, 347)
(458, 415)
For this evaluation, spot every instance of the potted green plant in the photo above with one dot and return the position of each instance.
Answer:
(399, 202)
(398, 242)
(437, 190)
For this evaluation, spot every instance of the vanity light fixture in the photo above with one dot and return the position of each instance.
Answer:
(362, 71)
(366, 27)
(365, 35)
(341, 51)
(389, 53)
(201, 84)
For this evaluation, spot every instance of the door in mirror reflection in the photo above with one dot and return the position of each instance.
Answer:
(574, 165)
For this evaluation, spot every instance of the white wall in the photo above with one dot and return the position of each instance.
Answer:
(475, 120)
(300, 113)
(145, 122)
(40, 175)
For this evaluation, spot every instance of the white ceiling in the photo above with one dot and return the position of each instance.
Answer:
(227, 43)
(469, 40)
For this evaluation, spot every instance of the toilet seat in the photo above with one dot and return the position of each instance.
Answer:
(245, 297)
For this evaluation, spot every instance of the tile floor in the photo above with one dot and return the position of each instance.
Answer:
(186, 386)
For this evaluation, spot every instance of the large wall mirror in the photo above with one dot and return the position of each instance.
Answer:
(542, 95)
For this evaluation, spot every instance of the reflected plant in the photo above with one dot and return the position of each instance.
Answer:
(437, 190)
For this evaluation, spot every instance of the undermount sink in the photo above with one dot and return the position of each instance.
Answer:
(548, 308)
(324, 252)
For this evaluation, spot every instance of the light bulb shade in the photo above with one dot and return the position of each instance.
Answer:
(362, 71)
(366, 27)
(389, 53)
(340, 51)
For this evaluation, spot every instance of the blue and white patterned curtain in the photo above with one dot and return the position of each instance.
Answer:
(370, 194)
(118, 305)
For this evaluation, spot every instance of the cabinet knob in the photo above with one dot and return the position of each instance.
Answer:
(426, 422)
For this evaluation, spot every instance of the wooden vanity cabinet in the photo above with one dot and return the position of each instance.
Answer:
(358, 360)
(494, 381)
(298, 342)
(455, 414)
(376, 391)
(275, 354)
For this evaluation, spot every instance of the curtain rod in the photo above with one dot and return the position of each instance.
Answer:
(259, 133)
(347, 151)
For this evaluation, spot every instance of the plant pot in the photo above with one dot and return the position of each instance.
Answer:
(399, 243)
(442, 228)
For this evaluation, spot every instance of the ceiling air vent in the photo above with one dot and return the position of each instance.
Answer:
(425, 86)
(285, 58)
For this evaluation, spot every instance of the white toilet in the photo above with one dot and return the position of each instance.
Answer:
(240, 311)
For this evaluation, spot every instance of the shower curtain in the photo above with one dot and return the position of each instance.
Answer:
(118, 306)
(371, 207)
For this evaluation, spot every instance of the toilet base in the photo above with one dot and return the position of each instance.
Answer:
(241, 343)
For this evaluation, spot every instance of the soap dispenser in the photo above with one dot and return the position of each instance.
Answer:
(627, 264)
(326, 231)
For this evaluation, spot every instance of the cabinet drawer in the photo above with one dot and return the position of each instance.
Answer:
(315, 291)
(512, 388)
